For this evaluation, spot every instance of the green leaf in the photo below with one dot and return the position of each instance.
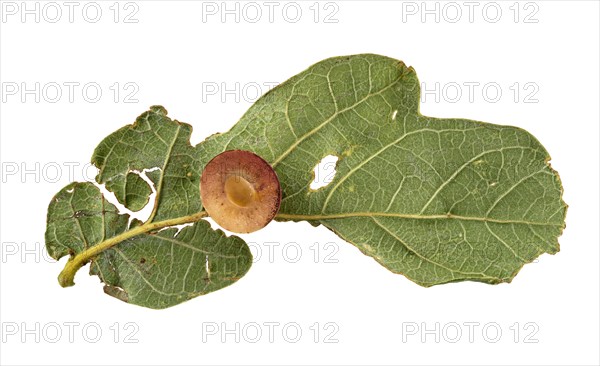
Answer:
(438, 200)
(150, 263)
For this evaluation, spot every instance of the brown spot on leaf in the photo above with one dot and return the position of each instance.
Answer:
(116, 292)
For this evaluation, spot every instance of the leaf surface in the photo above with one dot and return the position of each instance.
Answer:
(438, 200)
(151, 264)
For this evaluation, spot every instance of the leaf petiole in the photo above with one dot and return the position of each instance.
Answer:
(65, 278)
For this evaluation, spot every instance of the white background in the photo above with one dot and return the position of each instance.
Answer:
(173, 57)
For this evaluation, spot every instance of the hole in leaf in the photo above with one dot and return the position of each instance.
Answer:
(145, 212)
(324, 172)
(178, 227)
(207, 267)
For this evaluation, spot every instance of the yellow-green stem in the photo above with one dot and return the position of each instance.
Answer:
(65, 278)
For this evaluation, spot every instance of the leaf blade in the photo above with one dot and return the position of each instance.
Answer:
(158, 271)
(395, 161)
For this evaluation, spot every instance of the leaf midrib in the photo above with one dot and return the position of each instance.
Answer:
(344, 215)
